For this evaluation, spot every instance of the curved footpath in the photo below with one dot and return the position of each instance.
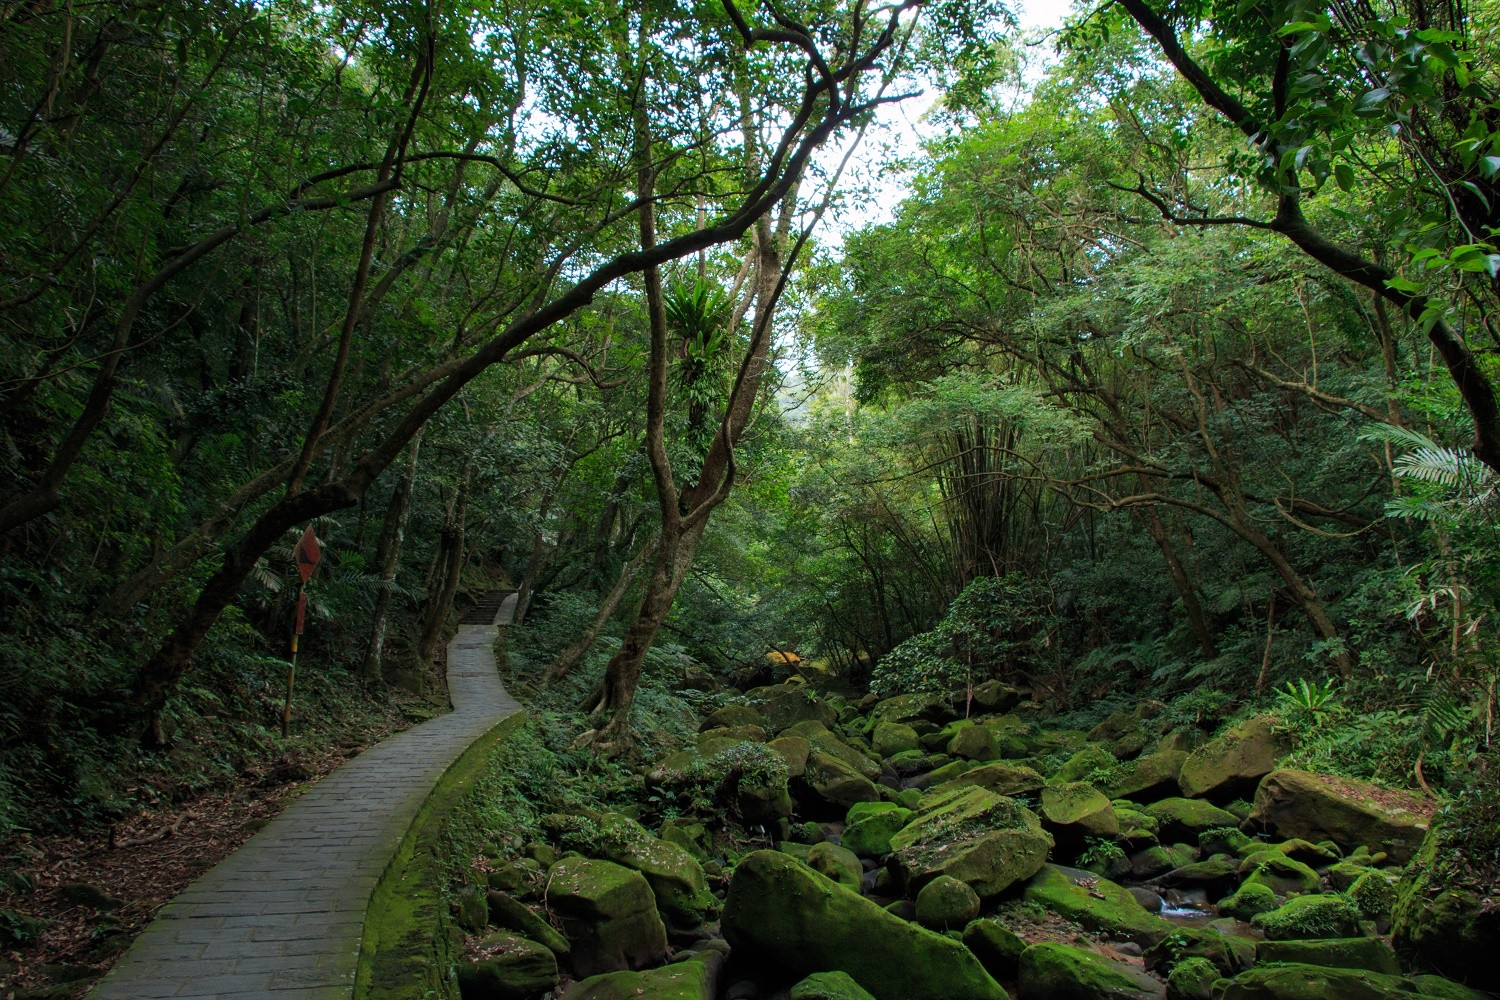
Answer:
(282, 917)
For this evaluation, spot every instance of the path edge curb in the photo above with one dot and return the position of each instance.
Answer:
(409, 940)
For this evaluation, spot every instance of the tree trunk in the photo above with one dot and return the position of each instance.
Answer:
(388, 558)
(453, 568)
(568, 658)
(1183, 583)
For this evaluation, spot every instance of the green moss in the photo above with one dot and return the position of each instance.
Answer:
(1192, 979)
(1063, 972)
(784, 916)
(1250, 900)
(409, 940)
(1097, 904)
(1374, 893)
(1323, 916)
(829, 986)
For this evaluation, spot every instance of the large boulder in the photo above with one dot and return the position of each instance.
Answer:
(973, 743)
(511, 914)
(829, 986)
(675, 876)
(1229, 763)
(910, 708)
(1097, 904)
(1444, 924)
(835, 785)
(1350, 813)
(734, 715)
(1179, 819)
(1000, 778)
(511, 968)
(1093, 764)
(830, 744)
(782, 916)
(993, 696)
(1052, 971)
(1280, 874)
(1316, 982)
(794, 750)
(946, 903)
(869, 827)
(694, 979)
(989, 841)
(608, 913)
(891, 738)
(1146, 778)
(1335, 953)
(997, 947)
(1306, 917)
(785, 705)
(1074, 811)
(837, 863)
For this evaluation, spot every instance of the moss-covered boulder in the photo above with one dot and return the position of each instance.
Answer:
(997, 947)
(869, 826)
(1218, 876)
(989, 841)
(1350, 813)
(754, 734)
(998, 777)
(910, 708)
(837, 863)
(1447, 989)
(1180, 819)
(1148, 777)
(1280, 874)
(1092, 764)
(1074, 811)
(1249, 901)
(675, 876)
(1097, 904)
(829, 986)
(835, 785)
(1446, 924)
(511, 968)
(1374, 894)
(1336, 953)
(782, 916)
(1304, 917)
(785, 705)
(891, 738)
(973, 743)
(946, 903)
(1230, 762)
(856, 758)
(1192, 979)
(1316, 982)
(794, 750)
(1052, 971)
(511, 914)
(695, 979)
(1229, 953)
(608, 914)
(734, 714)
(1154, 861)
(994, 696)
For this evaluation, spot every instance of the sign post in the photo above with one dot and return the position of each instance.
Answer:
(307, 555)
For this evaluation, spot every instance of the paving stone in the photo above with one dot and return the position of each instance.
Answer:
(283, 917)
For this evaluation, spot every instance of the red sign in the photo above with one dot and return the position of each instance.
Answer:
(307, 554)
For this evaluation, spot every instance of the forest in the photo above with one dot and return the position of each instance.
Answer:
(1054, 556)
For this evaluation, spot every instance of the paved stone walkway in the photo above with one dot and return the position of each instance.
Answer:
(282, 917)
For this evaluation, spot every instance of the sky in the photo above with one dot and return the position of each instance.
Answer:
(904, 132)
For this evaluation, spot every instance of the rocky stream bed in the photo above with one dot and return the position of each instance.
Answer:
(933, 848)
